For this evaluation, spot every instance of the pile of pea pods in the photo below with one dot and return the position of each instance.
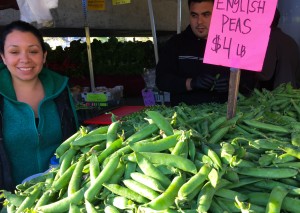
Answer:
(178, 159)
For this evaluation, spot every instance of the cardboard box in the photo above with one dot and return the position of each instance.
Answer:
(152, 97)
(103, 96)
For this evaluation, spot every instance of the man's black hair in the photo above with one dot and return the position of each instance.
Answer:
(199, 1)
(276, 19)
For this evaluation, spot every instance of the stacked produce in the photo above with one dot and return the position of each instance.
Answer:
(178, 159)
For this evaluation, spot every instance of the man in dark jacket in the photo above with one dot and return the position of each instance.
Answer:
(181, 70)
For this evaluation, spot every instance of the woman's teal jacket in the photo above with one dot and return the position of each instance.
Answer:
(30, 144)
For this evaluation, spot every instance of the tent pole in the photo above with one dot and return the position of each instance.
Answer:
(179, 16)
(89, 51)
(88, 44)
(153, 30)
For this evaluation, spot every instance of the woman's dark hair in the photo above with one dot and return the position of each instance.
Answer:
(23, 27)
(199, 1)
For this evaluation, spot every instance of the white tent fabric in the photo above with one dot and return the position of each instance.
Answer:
(37, 11)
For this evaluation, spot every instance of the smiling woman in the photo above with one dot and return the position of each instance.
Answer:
(39, 111)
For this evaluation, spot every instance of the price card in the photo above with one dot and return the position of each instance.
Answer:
(239, 33)
(117, 2)
(96, 4)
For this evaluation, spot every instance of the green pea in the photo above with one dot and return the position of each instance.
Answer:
(167, 198)
(125, 192)
(104, 175)
(194, 182)
(161, 122)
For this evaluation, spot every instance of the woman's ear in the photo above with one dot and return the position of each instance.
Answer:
(3, 59)
(44, 57)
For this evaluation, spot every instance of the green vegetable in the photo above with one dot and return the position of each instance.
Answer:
(167, 198)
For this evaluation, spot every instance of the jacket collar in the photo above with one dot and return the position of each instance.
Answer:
(53, 83)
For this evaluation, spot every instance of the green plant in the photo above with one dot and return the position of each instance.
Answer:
(108, 58)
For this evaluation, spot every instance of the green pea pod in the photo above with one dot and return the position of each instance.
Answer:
(213, 156)
(217, 135)
(205, 128)
(155, 146)
(116, 178)
(120, 202)
(271, 172)
(171, 160)
(99, 130)
(141, 188)
(297, 108)
(204, 159)
(232, 176)
(63, 205)
(169, 210)
(64, 146)
(130, 167)
(292, 150)
(30, 200)
(205, 197)
(89, 140)
(66, 160)
(214, 176)
(143, 133)
(151, 182)
(167, 198)
(112, 133)
(266, 159)
(63, 180)
(149, 169)
(46, 198)
(284, 158)
(194, 182)
(74, 208)
(231, 194)
(294, 165)
(215, 207)
(89, 207)
(236, 162)
(13, 199)
(161, 122)
(181, 147)
(114, 146)
(125, 192)
(105, 175)
(217, 123)
(267, 126)
(243, 182)
(111, 209)
(270, 184)
(94, 168)
(192, 149)
(75, 181)
(267, 144)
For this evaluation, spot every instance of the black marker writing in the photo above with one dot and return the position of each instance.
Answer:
(216, 42)
(226, 44)
(236, 25)
(242, 6)
(241, 50)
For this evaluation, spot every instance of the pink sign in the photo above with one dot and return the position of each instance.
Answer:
(239, 33)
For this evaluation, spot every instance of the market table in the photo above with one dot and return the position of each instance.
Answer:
(105, 118)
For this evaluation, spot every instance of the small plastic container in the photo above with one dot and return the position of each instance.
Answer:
(54, 162)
